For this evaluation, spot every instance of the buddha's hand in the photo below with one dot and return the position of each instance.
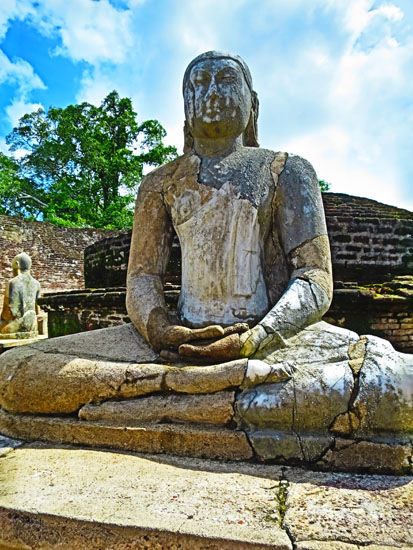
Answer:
(175, 335)
(225, 348)
(257, 338)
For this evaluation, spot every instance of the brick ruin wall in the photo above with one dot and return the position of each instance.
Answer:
(56, 252)
(370, 241)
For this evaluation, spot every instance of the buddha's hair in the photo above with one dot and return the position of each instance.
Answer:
(250, 135)
(24, 261)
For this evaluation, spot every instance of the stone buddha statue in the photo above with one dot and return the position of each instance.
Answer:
(246, 368)
(256, 264)
(19, 314)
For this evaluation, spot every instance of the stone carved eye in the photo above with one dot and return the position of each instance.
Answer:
(226, 77)
(202, 79)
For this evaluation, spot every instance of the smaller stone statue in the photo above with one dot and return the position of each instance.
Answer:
(20, 309)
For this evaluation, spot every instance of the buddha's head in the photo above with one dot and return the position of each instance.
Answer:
(219, 99)
(21, 263)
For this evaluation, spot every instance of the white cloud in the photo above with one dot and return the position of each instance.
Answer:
(21, 74)
(18, 108)
(90, 31)
(391, 12)
(13, 9)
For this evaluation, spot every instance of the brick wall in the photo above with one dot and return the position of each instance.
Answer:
(56, 252)
(369, 241)
(106, 262)
(385, 310)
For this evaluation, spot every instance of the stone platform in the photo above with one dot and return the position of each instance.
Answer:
(329, 400)
(72, 498)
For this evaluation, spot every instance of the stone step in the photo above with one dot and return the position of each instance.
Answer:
(181, 439)
(72, 498)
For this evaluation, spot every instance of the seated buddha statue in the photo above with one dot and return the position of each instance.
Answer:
(20, 309)
(247, 339)
(256, 261)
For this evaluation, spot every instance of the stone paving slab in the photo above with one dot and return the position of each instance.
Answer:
(66, 497)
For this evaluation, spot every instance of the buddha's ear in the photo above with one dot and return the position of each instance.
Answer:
(250, 136)
(188, 138)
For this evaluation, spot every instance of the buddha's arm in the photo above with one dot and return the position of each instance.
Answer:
(14, 300)
(300, 223)
(149, 254)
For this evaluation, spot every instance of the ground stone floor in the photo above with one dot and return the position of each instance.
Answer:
(68, 497)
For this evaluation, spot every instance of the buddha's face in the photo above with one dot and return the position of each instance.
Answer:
(217, 99)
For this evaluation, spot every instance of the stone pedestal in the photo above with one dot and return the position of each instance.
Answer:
(329, 400)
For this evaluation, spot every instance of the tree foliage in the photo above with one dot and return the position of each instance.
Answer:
(324, 185)
(85, 162)
(16, 193)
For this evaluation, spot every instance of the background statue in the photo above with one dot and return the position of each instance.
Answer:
(256, 262)
(20, 307)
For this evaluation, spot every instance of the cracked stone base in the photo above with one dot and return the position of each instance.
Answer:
(182, 440)
(329, 399)
(216, 442)
(65, 497)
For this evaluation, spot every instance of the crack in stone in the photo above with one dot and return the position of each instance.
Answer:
(293, 426)
(282, 505)
(254, 457)
(320, 457)
(356, 357)
(84, 355)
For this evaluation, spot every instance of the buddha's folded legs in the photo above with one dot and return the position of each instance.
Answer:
(326, 381)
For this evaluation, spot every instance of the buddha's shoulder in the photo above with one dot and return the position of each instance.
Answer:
(290, 162)
(185, 165)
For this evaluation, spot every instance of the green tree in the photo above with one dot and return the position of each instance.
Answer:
(324, 185)
(17, 194)
(86, 162)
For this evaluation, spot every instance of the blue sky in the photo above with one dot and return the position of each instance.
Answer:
(334, 77)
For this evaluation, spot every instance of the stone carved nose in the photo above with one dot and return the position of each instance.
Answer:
(212, 90)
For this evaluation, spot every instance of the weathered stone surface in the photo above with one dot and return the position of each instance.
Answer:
(318, 391)
(207, 379)
(182, 440)
(259, 372)
(385, 397)
(39, 379)
(215, 408)
(319, 343)
(349, 455)
(357, 510)
(288, 447)
(172, 502)
(137, 502)
(302, 204)
(120, 344)
(340, 385)
(44, 382)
